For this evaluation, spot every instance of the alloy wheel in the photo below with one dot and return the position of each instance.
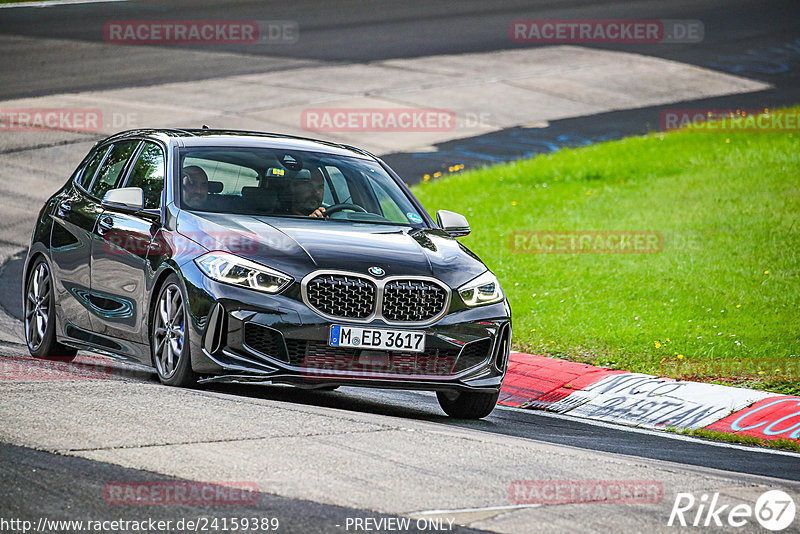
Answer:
(37, 306)
(170, 330)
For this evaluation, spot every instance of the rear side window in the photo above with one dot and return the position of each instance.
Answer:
(230, 177)
(91, 168)
(112, 167)
(148, 173)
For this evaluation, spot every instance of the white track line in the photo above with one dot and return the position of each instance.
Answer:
(470, 510)
(56, 3)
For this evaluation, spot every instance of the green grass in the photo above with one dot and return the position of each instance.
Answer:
(725, 286)
(742, 439)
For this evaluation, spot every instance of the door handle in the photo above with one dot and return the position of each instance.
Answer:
(63, 208)
(105, 224)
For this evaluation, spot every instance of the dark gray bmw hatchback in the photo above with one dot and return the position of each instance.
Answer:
(249, 257)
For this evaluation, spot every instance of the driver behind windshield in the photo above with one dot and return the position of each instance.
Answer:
(307, 196)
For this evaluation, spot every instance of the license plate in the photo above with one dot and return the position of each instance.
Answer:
(377, 338)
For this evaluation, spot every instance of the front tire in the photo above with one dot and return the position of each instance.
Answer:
(40, 317)
(169, 336)
(467, 404)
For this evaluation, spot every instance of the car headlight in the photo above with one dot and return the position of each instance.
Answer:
(484, 289)
(231, 269)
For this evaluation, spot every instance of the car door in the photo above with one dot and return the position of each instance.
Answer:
(87, 205)
(120, 251)
(74, 218)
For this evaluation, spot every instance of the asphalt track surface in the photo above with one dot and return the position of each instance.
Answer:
(36, 484)
(67, 488)
(358, 31)
(51, 51)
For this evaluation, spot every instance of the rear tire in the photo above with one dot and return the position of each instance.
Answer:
(40, 317)
(467, 404)
(169, 336)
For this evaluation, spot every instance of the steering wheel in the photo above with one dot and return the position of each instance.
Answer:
(336, 208)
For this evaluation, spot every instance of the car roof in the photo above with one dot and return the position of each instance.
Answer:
(241, 138)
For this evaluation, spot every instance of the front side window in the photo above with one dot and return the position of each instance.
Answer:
(112, 167)
(280, 183)
(148, 173)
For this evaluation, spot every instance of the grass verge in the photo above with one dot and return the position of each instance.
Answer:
(722, 292)
(741, 439)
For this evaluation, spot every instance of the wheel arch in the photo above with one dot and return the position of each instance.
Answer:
(36, 251)
(157, 285)
(29, 262)
(168, 270)
(160, 281)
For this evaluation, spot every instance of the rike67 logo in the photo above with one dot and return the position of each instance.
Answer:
(774, 510)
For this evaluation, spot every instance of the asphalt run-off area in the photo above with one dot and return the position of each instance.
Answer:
(432, 89)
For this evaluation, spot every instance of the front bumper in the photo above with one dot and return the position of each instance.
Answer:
(243, 336)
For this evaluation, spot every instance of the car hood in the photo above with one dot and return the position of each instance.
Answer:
(300, 246)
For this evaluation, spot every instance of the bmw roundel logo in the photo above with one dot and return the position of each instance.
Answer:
(377, 271)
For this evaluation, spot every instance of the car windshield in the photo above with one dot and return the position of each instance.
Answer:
(281, 183)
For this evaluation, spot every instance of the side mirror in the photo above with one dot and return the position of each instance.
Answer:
(131, 198)
(453, 223)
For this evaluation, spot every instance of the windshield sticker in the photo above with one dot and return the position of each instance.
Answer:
(413, 217)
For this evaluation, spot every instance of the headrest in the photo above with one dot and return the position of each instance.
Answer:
(254, 191)
(260, 197)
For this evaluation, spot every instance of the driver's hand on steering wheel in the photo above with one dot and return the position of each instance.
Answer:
(319, 212)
